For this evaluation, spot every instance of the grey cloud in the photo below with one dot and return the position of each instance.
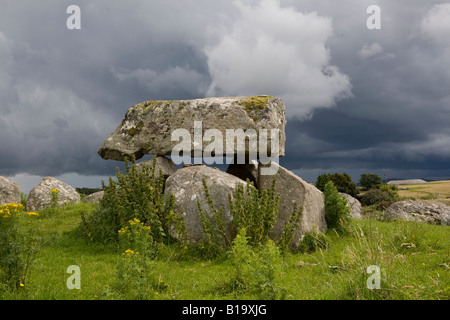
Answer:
(278, 51)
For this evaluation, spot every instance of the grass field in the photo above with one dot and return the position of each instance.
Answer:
(438, 190)
(413, 259)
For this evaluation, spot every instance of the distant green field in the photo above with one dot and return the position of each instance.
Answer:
(437, 190)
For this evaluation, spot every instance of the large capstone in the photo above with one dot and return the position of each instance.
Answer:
(216, 127)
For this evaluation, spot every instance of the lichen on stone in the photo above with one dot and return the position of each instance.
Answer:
(136, 130)
(149, 105)
(253, 105)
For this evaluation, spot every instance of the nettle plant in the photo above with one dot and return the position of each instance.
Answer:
(18, 247)
(337, 213)
(256, 268)
(134, 271)
(251, 209)
(137, 194)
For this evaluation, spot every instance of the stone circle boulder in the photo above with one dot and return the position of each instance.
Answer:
(94, 197)
(40, 196)
(9, 191)
(433, 212)
(186, 184)
(148, 126)
(354, 204)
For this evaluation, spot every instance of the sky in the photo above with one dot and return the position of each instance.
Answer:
(358, 99)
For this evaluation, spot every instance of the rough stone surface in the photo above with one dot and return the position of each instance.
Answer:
(40, 197)
(94, 197)
(187, 187)
(9, 191)
(292, 190)
(164, 164)
(354, 204)
(433, 212)
(147, 127)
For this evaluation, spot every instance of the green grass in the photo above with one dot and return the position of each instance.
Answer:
(413, 257)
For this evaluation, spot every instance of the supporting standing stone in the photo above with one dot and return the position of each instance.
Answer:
(293, 189)
(187, 186)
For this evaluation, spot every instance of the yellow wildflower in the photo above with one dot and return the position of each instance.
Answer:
(32, 213)
(128, 251)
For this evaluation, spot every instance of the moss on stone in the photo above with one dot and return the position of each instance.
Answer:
(136, 130)
(149, 104)
(254, 104)
(182, 104)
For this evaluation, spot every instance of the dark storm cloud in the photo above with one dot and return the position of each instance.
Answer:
(355, 98)
(397, 119)
(60, 90)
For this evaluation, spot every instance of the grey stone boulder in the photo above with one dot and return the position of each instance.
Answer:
(9, 191)
(164, 164)
(40, 196)
(94, 197)
(433, 212)
(292, 189)
(186, 184)
(148, 126)
(354, 204)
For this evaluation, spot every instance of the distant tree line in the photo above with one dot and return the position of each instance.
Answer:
(371, 190)
(342, 182)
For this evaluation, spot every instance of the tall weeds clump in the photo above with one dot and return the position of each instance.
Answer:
(337, 213)
(251, 209)
(215, 234)
(137, 194)
(18, 248)
(254, 210)
(256, 268)
(134, 270)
